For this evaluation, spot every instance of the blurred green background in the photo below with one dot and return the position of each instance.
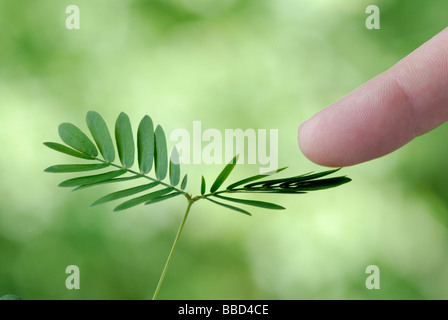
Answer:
(231, 64)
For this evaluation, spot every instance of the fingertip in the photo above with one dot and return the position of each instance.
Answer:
(368, 123)
(303, 140)
(309, 143)
(384, 113)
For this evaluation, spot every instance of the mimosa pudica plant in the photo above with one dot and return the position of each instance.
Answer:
(151, 153)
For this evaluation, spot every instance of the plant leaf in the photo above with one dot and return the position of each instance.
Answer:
(184, 183)
(202, 186)
(228, 206)
(75, 167)
(267, 190)
(253, 178)
(76, 139)
(145, 144)
(125, 193)
(255, 203)
(321, 184)
(105, 182)
(125, 140)
(160, 155)
(136, 201)
(314, 176)
(303, 177)
(223, 175)
(174, 167)
(295, 187)
(101, 135)
(71, 152)
(92, 179)
(165, 197)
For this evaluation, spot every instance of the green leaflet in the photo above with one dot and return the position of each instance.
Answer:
(294, 185)
(223, 175)
(253, 178)
(92, 179)
(228, 206)
(255, 203)
(125, 193)
(321, 184)
(71, 152)
(160, 155)
(291, 186)
(125, 140)
(268, 190)
(145, 144)
(76, 139)
(75, 167)
(114, 180)
(202, 186)
(303, 177)
(184, 183)
(100, 134)
(165, 197)
(136, 201)
(174, 167)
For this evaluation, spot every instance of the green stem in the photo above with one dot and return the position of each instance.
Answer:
(162, 276)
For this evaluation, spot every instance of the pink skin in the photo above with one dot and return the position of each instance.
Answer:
(383, 114)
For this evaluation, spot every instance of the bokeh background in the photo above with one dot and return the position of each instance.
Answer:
(231, 64)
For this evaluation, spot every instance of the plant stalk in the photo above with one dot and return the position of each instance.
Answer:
(162, 276)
